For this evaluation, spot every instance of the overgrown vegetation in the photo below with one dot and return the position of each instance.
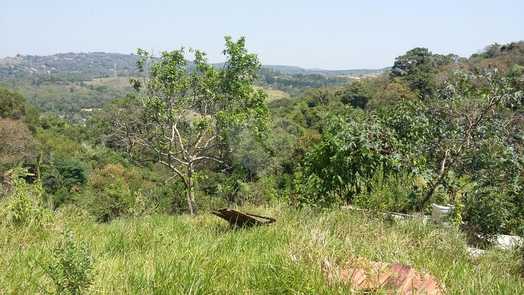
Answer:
(71, 266)
(179, 255)
(435, 129)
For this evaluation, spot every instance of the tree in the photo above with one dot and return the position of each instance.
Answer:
(16, 143)
(355, 95)
(117, 124)
(193, 112)
(469, 111)
(395, 91)
(62, 177)
(12, 104)
(350, 152)
(418, 68)
(317, 96)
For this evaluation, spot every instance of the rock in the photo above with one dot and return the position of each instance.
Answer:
(475, 252)
(394, 278)
(507, 242)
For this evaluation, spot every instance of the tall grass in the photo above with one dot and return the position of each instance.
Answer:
(182, 255)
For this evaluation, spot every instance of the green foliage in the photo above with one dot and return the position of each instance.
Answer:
(466, 121)
(24, 206)
(419, 67)
(457, 189)
(390, 92)
(371, 142)
(257, 192)
(488, 211)
(413, 128)
(390, 192)
(346, 158)
(12, 104)
(104, 125)
(71, 266)
(355, 95)
(501, 55)
(204, 110)
(109, 194)
(17, 145)
(64, 177)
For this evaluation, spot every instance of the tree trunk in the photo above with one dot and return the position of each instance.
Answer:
(190, 191)
(38, 164)
(434, 184)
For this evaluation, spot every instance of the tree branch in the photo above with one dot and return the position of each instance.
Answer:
(178, 172)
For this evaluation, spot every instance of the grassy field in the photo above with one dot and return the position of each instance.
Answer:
(275, 94)
(203, 255)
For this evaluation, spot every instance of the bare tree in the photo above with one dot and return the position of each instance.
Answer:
(189, 109)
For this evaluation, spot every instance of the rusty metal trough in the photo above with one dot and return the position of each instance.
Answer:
(240, 219)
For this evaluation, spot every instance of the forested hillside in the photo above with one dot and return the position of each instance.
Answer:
(123, 150)
(72, 84)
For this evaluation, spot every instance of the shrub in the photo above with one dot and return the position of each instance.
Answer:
(339, 167)
(141, 205)
(488, 211)
(12, 104)
(166, 198)
(108, 195)
(257, 192)
(71, 266)
(17, 144)
(64, 173)
(114, 191)
(394, 192)
(265, 189)
(62, 178)
(236, 188)
(24, 206)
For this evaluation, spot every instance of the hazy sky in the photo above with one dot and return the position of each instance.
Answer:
(315, 34)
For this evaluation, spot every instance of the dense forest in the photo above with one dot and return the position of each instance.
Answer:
(121, 137)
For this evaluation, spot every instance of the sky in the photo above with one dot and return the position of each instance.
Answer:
(328, 34)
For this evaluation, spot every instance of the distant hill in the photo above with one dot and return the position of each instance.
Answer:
(293, 70)
(501, 56)
(71, 83)
(68, 66)
(88, 66)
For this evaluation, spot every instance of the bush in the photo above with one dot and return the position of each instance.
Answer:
(12, 104)
(62, 178)
(17, 145)
(114, 191)
(71, 266)
(108, 195)
(395, 192)
(256, 192)
(349, 154)
(64, 173)
(488, 211)
(24, 206)
(235, 188)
